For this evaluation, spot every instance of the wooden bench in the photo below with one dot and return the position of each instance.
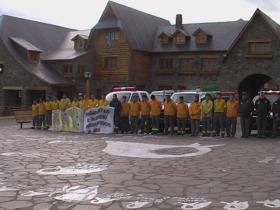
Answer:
(23, 116)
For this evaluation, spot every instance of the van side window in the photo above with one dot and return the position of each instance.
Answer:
(143, 95)
(134, 95)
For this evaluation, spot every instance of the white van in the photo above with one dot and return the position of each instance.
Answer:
(130, 94)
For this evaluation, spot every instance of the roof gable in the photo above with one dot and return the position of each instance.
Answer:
(199, 30)
(25, 44)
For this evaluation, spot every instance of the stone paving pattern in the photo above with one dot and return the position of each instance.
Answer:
(241, 170)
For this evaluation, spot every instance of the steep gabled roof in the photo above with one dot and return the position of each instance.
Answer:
(223, 35)
(24, 44)
(139, 27)
(45, 37)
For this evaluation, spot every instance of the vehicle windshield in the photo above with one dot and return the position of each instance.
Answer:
(109, 97)
(188, 97)
(271, 98)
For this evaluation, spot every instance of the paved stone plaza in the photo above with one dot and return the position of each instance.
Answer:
(45, 170)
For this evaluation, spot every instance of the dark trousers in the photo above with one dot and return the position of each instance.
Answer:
(261, 125)
(155, 124)
(195, 127)
(117, 121)
(169, 121)
(41, 121)
(276, 123)
(231, 126)
(134, 120)
(245, 126)
(34, 121)
(145, 123)
(181, 125)
(218, 123)
(124, 124)
(207, 129)
(49, 118)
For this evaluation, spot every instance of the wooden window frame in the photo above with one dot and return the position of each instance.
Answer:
(259, 48)
(164, 40)
(67, 70)
(33, 56)
(211, 69)
(169, 65)
(81, 69)
(184, 70)
(111, 67)
(180, 39)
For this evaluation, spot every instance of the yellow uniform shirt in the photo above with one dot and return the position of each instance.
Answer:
(42, 109)
(48, 105)
(75, 104)
(145, 108)
(182, 110)
(85, 105)
(103, 102)
(219, 105)
(232, 108)
(35, 110)
(170, 108)
(135, 109)
(55, 105)
(206, 108)
(195, 110)
(93, 103)
(64, 103)
(125, 109)
(155, 107)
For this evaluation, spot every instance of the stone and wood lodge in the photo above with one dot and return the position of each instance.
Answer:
(128, 47)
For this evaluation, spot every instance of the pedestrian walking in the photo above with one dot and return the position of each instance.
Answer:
(170, 110)
(134, 113)
(219, 116)
(207, 114)
(231, 116)
(125, 115)
(195, 115)
(182, 115)
(145, 115)
(262, 106)
(116, 104)
(155, 113)
(276, 116)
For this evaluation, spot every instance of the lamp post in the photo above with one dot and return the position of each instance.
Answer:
(87, 76)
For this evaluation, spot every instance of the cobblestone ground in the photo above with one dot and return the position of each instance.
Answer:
(45, 170)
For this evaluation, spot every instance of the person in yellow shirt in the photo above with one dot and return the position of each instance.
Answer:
(85, 103)
(145, 115)
(103, 101)
(207, 115)
(64, 103)
(124, 124)
(231, 116)
(182, 115)
(75, 103)
(134, 112)
(195, 114)
(219, 116)
(42, 112)
(35, 114)
(55, 103)
(48, 116)
(155, 113)
(93, 102)
(170, 110)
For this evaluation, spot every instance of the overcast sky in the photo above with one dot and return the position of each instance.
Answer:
(84, 14)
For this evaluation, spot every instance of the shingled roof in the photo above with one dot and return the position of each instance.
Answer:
(36, 35)
(140, 28)
(223, 35)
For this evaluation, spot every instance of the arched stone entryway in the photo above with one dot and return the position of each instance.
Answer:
(253, 83)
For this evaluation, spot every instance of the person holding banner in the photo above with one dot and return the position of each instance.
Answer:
(116, 104)
(135, 109)
(93, 102)
(155, 113)
(103, 101)
(125, 115)
(145, 115)
(55, 103)
(64, 104)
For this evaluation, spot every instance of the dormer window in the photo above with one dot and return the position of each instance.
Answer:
(164, 38)
(33, 56)
(80, 41)
(180, 36)
(201, 36)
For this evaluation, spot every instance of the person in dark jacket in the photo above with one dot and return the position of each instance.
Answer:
(115, 103)
(245, 108)
(276, 116)
(262, 106)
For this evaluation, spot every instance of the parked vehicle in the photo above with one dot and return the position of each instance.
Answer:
(160, 95)
(129, 92)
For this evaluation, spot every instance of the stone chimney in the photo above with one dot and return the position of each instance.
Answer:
(179, 21)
